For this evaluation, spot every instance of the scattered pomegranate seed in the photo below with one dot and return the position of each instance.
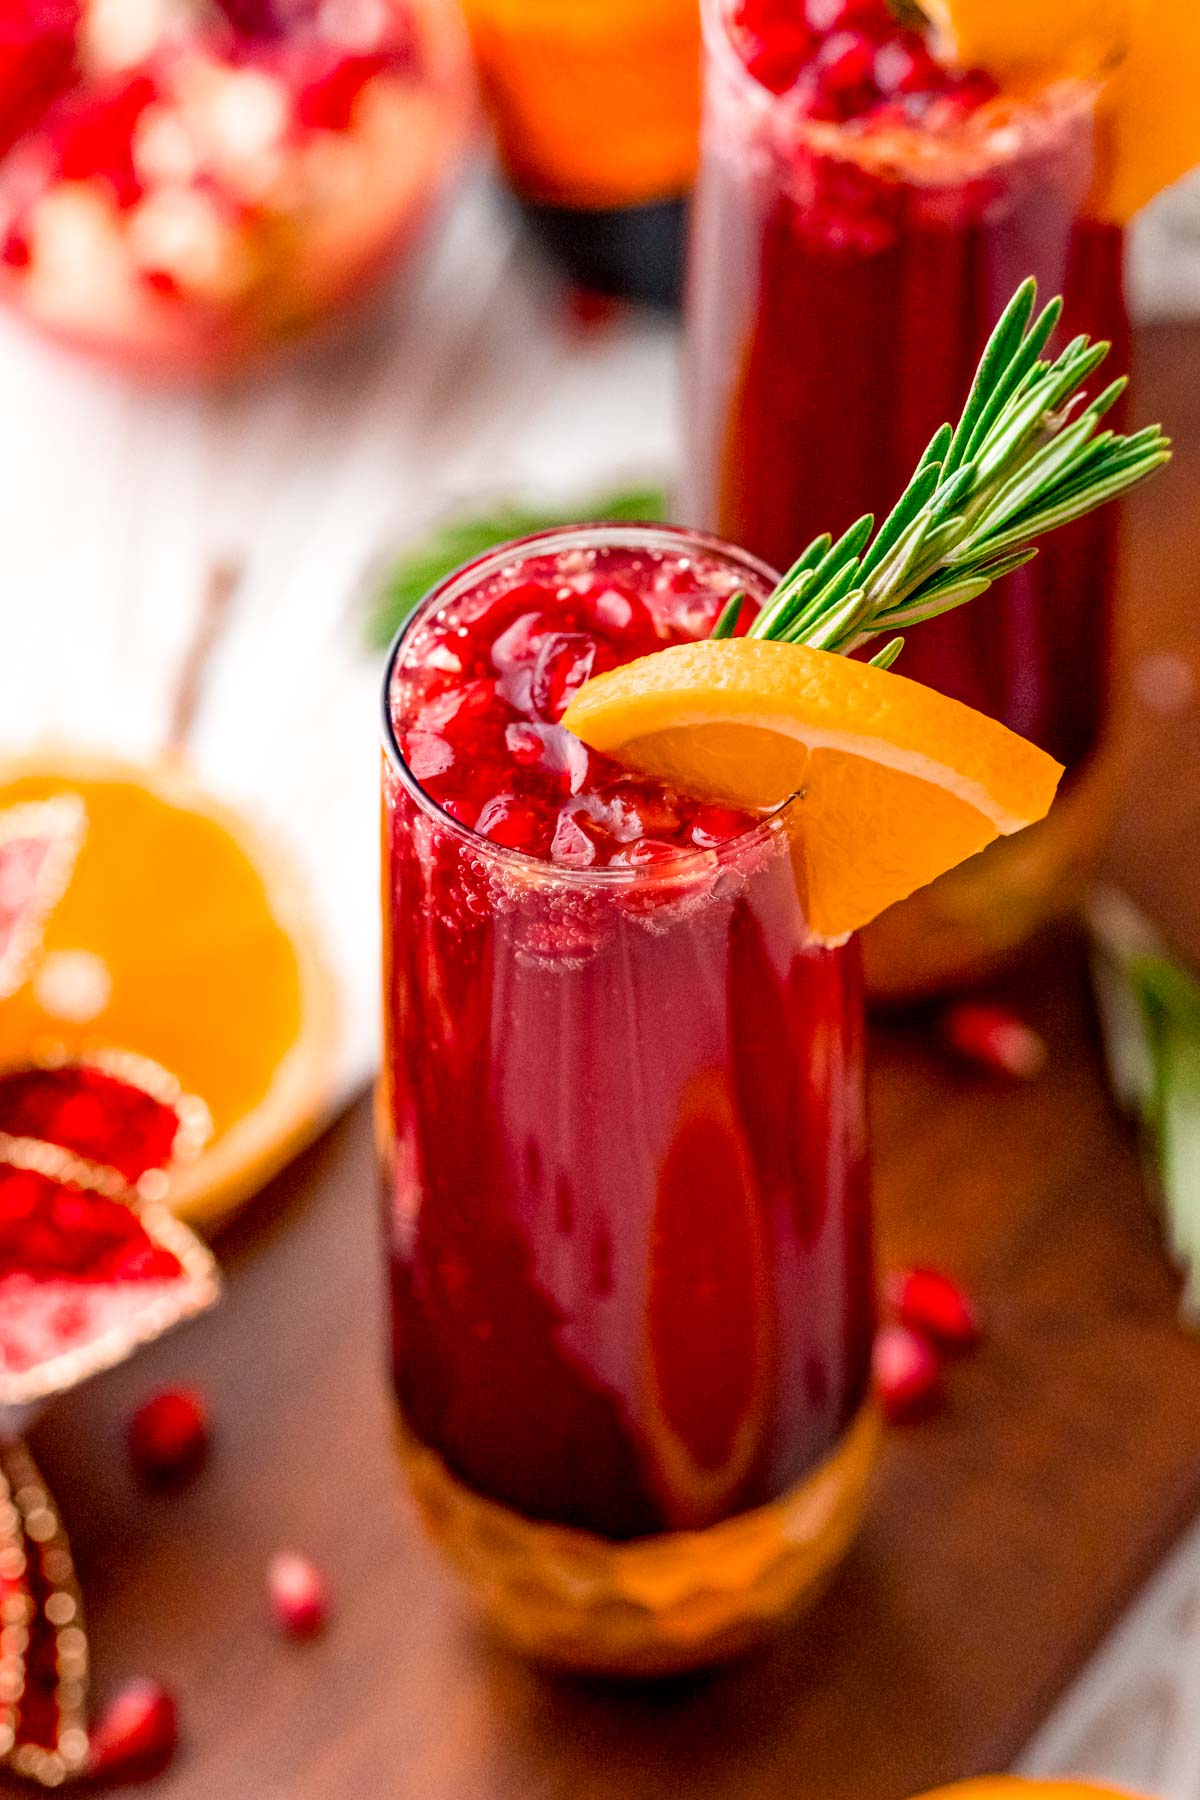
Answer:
(168, 1435)
(931, 1303)
(588, 310)
(908, 1375)
(1164, 681)
(136, 1735)
(298, 1594)
(996, 1039)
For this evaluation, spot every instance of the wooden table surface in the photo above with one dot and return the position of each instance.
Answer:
(1004, 1537)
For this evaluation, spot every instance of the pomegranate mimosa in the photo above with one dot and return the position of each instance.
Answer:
(863, 215)
(627, 1179)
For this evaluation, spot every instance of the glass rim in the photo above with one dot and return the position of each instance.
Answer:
(679, 866)
(1057, 100)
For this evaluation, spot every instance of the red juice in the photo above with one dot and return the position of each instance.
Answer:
(863, 217)
(624, 1150)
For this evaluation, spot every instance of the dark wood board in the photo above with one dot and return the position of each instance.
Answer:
(1004, 1536)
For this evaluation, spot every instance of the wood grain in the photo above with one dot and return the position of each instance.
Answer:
(1005, 1536)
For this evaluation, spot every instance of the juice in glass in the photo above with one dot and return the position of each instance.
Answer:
(863, 216)
(625, 1178)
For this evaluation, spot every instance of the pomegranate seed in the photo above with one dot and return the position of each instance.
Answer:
(428, 755)
(572, 847)
(931, 1303)
(136, 1735)
(713, 825)
(298, 1595)
(836, 15)
(621, 615)
(463, 810)
(908, 1376)
(643, 853)
(905, 67)
(525, 745)
(565, 661)
(777, 62)
(589, 310)
(168, 1435)
(846, 61)
(995, 1039)
(328, 103)
(506, 821)
(517, 647)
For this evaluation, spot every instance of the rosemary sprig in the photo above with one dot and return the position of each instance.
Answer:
(1027, 456)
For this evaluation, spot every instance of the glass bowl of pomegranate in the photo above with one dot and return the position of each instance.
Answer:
(187, 183)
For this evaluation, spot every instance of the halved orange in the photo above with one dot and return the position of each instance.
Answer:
(180, 937)
(891, 784)
(1012, 1787)
(1146, 51)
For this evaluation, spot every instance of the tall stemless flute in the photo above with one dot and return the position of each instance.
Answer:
(845, 272)
(625, 1178)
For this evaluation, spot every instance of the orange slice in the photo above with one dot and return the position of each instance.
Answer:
(1149, 51)
(893, 784)
(181, 938)
(1011, 1787)
(1033, 38)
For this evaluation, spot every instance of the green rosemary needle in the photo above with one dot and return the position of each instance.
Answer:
(1027, 456)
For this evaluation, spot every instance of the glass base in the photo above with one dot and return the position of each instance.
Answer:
(656, 1606)
(967, 925)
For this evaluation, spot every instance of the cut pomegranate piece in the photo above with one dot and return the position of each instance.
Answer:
(168, 1436)
(43, 1648)
(995, 1038)
(929, 1302)
(298, 1594)
(88, 1270)
(38, 846)
(908, 1375)
(136, 1736)
(120, 1112)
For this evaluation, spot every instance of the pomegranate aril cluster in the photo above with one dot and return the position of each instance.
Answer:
(184, 143)
(482, 694)
(844, 60)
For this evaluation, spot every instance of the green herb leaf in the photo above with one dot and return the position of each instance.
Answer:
(1150, 1013)
(459, 540)
(1026, 457)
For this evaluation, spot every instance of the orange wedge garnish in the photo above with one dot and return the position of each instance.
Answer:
(1146, 52)
(181, 938)
(893, 784)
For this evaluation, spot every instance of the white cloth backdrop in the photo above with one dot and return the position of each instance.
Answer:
(118, 502)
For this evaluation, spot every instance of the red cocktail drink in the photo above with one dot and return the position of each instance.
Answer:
(625, 1173)
(863, 217)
